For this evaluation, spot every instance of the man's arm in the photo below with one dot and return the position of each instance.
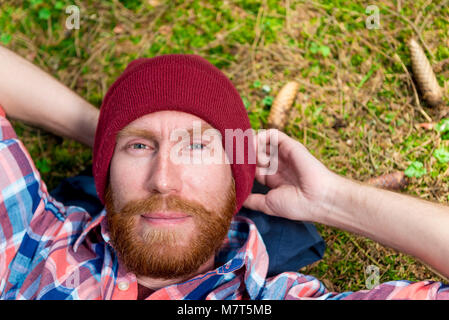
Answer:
(403, 222)
(29, 94)
(304, 189)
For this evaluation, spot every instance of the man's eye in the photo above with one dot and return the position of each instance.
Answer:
(137, 144)
(197, 146)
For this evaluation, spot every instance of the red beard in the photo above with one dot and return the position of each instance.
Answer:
(164, 253)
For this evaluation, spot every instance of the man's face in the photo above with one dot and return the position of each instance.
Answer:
(167, 218)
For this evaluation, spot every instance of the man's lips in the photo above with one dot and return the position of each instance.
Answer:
(165, 217)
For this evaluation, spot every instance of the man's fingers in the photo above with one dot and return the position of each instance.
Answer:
(256, 201)
(266, 147)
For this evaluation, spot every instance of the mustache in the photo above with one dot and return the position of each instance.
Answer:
(161, 203)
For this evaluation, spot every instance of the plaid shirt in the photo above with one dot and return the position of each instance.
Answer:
(52, 251)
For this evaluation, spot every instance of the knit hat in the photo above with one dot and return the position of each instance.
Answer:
(178, 82)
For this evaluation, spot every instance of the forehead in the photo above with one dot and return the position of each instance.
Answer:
(155, 123)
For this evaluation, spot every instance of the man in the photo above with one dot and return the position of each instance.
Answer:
(169, 230)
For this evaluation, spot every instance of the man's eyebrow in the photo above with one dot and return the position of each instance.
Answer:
(136, 132)
(150, 135)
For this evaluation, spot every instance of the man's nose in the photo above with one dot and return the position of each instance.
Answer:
(165, 175)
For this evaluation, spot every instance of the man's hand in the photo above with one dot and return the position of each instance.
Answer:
(304, 189)
(299, 187)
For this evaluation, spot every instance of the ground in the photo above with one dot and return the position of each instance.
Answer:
(357, 110)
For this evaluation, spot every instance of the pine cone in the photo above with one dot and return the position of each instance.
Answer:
(424, 75)
(282, 104)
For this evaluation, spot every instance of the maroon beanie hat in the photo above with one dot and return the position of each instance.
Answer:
(178, 82)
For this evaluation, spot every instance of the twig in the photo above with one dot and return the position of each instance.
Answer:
(374, 48)
(371, 113)
(147, 43)
(49, 41)
(421, 10)
(314, 86)
(379, 154)
(39, 140)
(430, 14)
(412, 121)
(317, 133)
(369, 152)
(77, 43)
(413, 26)
(418, 147)
(446, 279)
(220, 37)
(287, 18)
(92, 56)
(256, 39)
(340, 89)
(363, 250)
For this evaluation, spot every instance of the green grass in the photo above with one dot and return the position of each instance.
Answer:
(345, 71)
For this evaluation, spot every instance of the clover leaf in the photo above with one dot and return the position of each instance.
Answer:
(442, 155)
(415, 169)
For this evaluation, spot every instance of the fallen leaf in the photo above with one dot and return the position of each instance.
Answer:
(118, 29)
(426, 125)
(154, 3)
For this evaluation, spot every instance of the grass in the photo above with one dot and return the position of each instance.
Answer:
(350, 75)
